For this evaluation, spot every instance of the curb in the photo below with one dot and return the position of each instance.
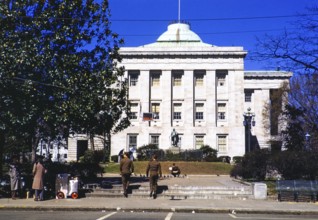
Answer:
(178, 210)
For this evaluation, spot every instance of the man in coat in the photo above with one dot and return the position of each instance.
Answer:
(154, 169)
(14, 172)
(126, 169)
(38, 178)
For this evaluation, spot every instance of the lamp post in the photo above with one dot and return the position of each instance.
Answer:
(249, 121)
(307, 138)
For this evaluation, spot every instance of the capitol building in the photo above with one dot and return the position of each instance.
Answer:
(199, 90)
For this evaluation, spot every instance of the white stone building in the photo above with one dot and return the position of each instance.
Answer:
(198, 89)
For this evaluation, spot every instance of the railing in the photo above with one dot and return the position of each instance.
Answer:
(297, 190)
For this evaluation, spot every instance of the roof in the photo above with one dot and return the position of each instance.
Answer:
(179, 34)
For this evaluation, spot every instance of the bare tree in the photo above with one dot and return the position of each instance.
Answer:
(296, 50)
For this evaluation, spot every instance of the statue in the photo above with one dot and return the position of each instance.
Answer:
(174, 138)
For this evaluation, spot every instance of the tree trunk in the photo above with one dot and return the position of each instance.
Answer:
(35, 143)
(2, 141)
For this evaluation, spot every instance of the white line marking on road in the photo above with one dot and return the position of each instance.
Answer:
(168, 217)
(233, 216)
(106, 216)
(266, 218)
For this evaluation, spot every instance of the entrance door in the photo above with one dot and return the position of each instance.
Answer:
(82, 146)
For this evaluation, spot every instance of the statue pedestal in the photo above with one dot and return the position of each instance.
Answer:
(174, 150)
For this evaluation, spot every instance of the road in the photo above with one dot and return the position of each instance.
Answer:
(95, 215)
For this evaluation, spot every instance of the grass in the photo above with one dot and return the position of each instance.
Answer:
(189, 168)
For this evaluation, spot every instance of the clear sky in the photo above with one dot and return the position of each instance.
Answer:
(220, 23)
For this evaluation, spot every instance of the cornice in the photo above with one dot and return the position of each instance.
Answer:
(267, 74)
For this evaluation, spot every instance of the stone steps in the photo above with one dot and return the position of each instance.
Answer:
(176, 192)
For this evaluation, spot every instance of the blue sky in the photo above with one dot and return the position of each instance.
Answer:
(219, 22)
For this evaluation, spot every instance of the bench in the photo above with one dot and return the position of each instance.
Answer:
(297, 190)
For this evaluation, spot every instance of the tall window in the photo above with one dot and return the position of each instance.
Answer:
(154, 139)
(155, 109)
(199, 80)
(155, 79)
(248, 95)
(133, 78)
(177, 110)
(220, 78)
(199, 141)
(199, 77)
(222, 143)
(133, 111)
(132, 141)
(221, 111)
(177, 79)
(199, 111)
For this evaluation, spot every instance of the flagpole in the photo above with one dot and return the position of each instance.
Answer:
(179, 12)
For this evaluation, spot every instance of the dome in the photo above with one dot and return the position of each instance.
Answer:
(179, 32)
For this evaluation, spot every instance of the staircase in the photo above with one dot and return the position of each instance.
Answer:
(175, 188)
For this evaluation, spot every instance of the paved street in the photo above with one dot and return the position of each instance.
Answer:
(120, 215)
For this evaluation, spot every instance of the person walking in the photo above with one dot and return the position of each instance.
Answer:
(14, 173)
(126, 169)
(38, 178)
(154, 169)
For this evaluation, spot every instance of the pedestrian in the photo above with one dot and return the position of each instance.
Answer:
(175, 170)
(126, 169)
(154, 170)
(14, 173)
(38, 178)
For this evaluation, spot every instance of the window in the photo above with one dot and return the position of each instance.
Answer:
(65, 156)
(155, 80)
(248, 95)
(199, 111)
(133, 79)
(199, 141)
(199, 77)
(154, 139)
(220, 78)
(133, 111)
(155, 109)
(221, 111)
(177, 79)
(177, 109)
(222, 145)
(199, 80)
(132, 141)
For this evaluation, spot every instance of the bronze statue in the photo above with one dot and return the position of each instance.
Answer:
(174, 138)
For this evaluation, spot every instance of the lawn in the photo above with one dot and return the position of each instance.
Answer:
(189, 168)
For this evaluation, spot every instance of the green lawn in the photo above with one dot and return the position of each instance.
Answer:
(202, 168)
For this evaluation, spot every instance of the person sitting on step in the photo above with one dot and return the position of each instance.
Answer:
(175, 170)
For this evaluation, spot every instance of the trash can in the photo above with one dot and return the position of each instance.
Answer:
(73, 188)
(65, 186)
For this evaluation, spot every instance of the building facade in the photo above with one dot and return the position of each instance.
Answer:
(199, 90)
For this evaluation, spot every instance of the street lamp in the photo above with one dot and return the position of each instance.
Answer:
(249, 121)
(307, 137)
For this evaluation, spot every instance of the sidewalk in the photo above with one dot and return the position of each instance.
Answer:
(168, 205)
